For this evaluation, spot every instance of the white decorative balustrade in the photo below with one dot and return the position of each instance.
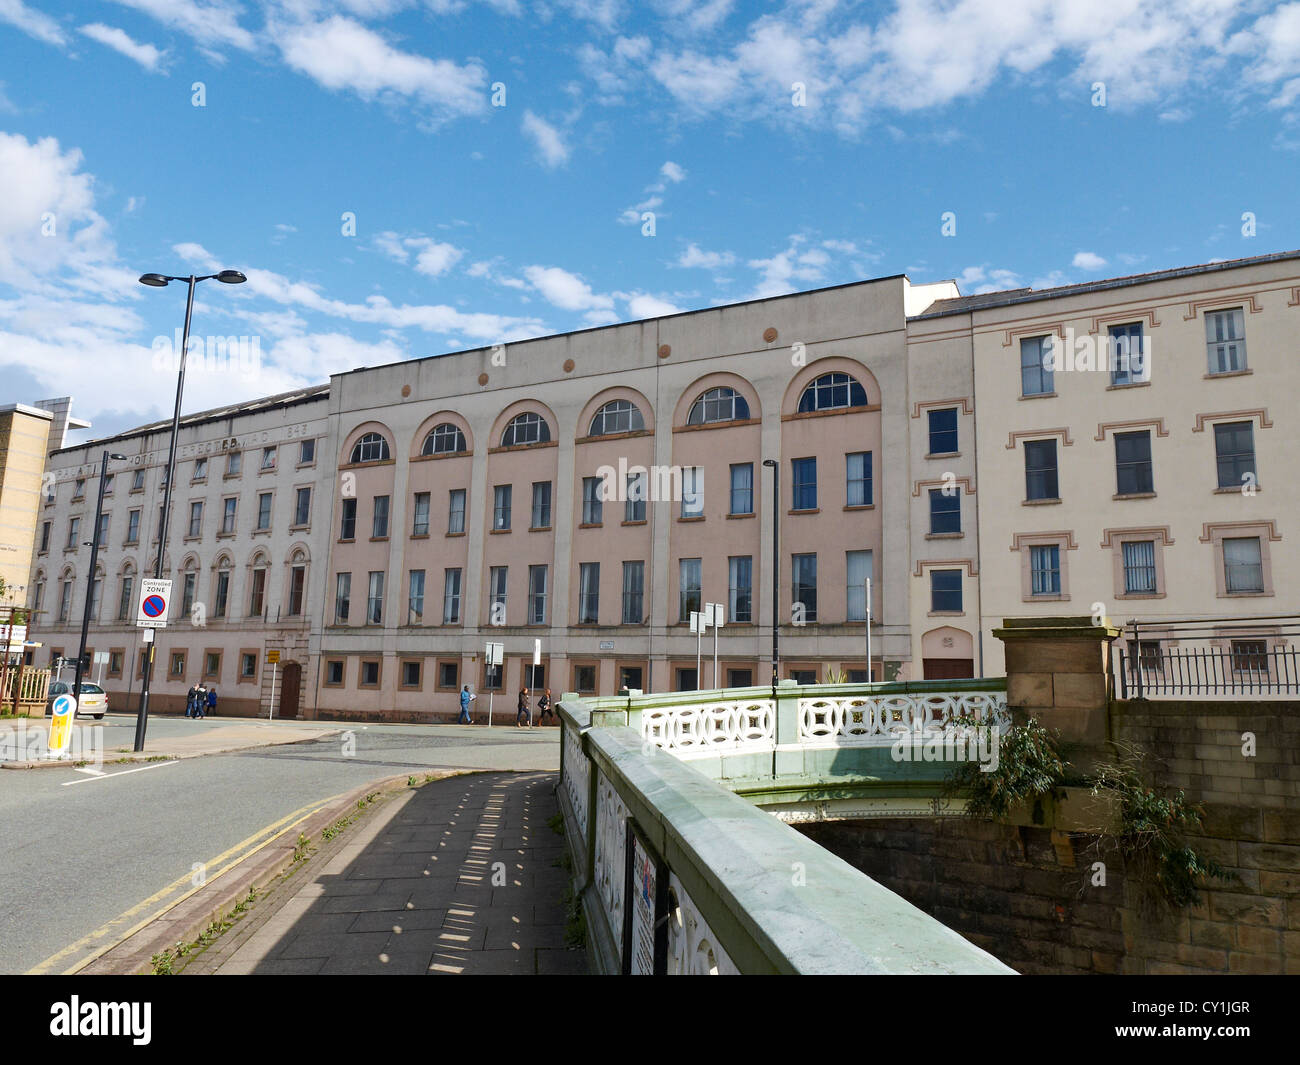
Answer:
(577, 777)
(707, 728)
(693, 949)
(611, 850)
(870, 720)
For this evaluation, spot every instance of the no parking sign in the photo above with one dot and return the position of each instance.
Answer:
(155, 594)
(62, 713)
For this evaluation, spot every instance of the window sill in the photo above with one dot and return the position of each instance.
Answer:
(693, 517)
(305, 466)
(860, 506)
(419, 536)
(1134, 495)
(192, 539)
(635, 521)
(811, 510)
(266, 469)
(342, 539)
(539, 528)
(454, 534)
(737, 517)
(945, 614)
(1235, 490)
(1244, 595)
(1039, 502)
(1141, 595)
(591, 525)
(225, 536)
(267, 532)
(1128, 384)
(1040, 395)
(1227, 373)
(945, 536)
(492, 532)
(376, 539)
(944, 455)
(1057, 597)
(136, 492)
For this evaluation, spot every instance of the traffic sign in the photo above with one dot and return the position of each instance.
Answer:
(63, 711)
(155, 594)
(495, 654)
(272, 657)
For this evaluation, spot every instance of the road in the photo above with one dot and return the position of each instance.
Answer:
(77, 852)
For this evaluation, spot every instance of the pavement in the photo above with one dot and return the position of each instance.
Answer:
(460, 876)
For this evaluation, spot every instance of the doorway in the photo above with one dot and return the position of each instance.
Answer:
(288, 705)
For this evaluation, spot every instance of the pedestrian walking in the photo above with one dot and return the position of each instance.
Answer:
(200, 700)
(212, 701)
(465, 698)
(190, 696)
(544, 707)
(523, 718)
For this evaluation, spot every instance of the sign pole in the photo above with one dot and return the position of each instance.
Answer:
(4, 663)
(717, 624)
(274, 666)
(868, 630)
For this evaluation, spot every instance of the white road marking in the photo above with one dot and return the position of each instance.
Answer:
(89, 771)
(125, 772)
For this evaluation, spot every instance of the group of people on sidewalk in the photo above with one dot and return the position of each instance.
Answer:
(523, 716)
(200, 701)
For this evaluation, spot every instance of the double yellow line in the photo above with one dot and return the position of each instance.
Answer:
(235, 854)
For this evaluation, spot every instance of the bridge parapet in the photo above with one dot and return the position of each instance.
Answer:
(679, 874)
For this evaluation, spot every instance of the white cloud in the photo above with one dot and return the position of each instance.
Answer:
(196, 255)
(550, 146)
(433, 258)
(146, 55)
(1087, 260)
(672, 172)
(342, 54)
(565, 290)
(693, 256)
(642, 305)
(979, 279)
(212, 24)
(34, 23)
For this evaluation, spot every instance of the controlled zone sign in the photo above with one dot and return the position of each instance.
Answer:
(155, 598)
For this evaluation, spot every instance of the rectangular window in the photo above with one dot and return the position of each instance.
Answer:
(588, 593)
(1139, 567)
(234, 463)
(178, 664)
(306, 452)
(264, 512)
(448, 674)
(137, 481)
(803, 577)
(96, 590)
(1127, 354)
(375, 599)
(634, 504)
(190, 588)
(132, 527)
(108, 484)
(493, 677)
(1243, 568)
(302, 507)
(688, 587)
(228, 511)
(222, 596)
(537, 595)
(348, 525)
(497, 594)
(1040, 470)
(45, 532)
(1036, 377)
(692, 492)
(592, 509)
(102, 538)
(79, 489)
(945, 510)
(410, 674)
(334, 672)
(212, 664)
(451, 597)
(342, 597)
(196, 520)
(687, 679)
(541, 505)
(1250, 656)
(858, 570)
(268, 458)
(257, 593)
(501, 507)
(945, 591)
(740, 678)
(943, 431)
(379, 526)
(740, 588)
(248, 665)
(125, 603)
(415, 598)
(805, 484)
(629, 677)
(369, 674)
(857, 479)
(633, 593)
(115, 661)
(200, 470)
(456, 511)
(742, 488)
(420, 521)
(1045, 569)
(1225, 340)
(65, 599)
(584, 679)
(1234, 449)
(297, 589)
(1133, 463)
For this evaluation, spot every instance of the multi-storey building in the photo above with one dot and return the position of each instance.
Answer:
(585, 493)
(24, 436)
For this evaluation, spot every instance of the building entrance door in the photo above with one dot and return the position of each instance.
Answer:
(288, 707)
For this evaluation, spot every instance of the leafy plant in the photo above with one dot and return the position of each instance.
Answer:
(1029, 767)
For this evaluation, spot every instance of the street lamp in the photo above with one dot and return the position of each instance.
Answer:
(90, 583)
(226, 277)
(776, 563)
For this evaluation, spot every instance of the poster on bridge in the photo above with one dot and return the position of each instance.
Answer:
(645, 946)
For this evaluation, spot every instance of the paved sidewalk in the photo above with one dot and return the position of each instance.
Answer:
(457, 876)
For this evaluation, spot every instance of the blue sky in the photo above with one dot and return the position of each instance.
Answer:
(478, 224)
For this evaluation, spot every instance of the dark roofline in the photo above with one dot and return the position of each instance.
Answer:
(636, 321)
(253, 406)
(966, 304)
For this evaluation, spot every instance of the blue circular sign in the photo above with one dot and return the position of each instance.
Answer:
(153, 606)
(63, 704)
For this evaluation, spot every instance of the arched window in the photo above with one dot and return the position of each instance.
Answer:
(719, 405)
(370, 448)
(526, 428)
(617, 416)
(831, 391)
(446, 439)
